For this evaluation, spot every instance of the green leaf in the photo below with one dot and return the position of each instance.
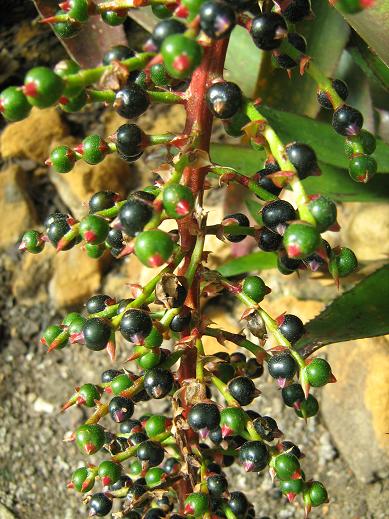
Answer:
(249, 263)
(326, 37)
(360, 312)
(333, 182)
(254, 209)
(371, 65)
(328, 145)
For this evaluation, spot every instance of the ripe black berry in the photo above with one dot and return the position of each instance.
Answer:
(166, 28)
(217, 19)
(136, 212)
(100, 504)
(242, 389)
(224, 99)
(277, 213)
(238, 503)
(292, 448)
(121, 409)
(254, 456)
(303, 159)
(236, 219)
(324, 98)
(180, 321)
(296, 10)
(299, 43)
(96, 333)
(115, 239)
(282, 366)
(264, 181)
(204, 417)
(292, 394)
(102, 200)
(136, 438)
(108, 375)
(347, 120)
(129, 139)
(287, 265)
(135, 325)
(98, 303)
(216, 435)
(217, 484)
(253, 369)
(57, 230)
(291, 327)
(117, 53)
(158, 382)
(129, 426)
(267, 427)
(150, 452)
(131, 101)
(267, 30)
(268, 240)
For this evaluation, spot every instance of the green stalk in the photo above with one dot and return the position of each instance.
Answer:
(195, 258)
(242, 179)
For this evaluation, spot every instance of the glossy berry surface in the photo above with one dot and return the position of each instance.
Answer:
(135, 325)
(299, 42)
(117, 53)
(301, 240)
(236, 219)
(79, 477)
(153, 248)
(42, 87)
(109, 472)
(178, 201)
(129, 138)
(232, 420)
(346, 120)
(62, 159)
(158, 382)
(136, 212)
(32, 242)
(102, 200)
(253, 369)
(263, 179)
(217, 19)
(166, 28)
(204, 417)
(224, 99)
(292, 486)
(282, 365)
(120, 383)
(242, 389)
(309, 407)
(180, 322)
(296, 10)
(267, 30)
(13, 104)
(90, 438)
(346, 262)
(364, 142)
(255, 288)
(96, 333)
(268, 240)
(197, 504)
(291, 327)
(303, 159)
(287, 265)
(254, 456)
(324, 98)
(318, 372)
(121, 409)
(238, 503)
(88, 394)
(286, 465)
(181, 55)
(131, 102)
(292, 395)
(114, 18)
(93, 149)
(266, 427)
(100, 505)
(317, 493)
(277, 213)
(324, 211)
(150, 452)
(94, 229)
(362, 168)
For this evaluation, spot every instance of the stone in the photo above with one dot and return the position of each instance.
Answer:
(76, 277)
(356, 408)
(17, 212)
(31, 277)
(130, 271)
(32, 138)
(5, 513)
(76, 187)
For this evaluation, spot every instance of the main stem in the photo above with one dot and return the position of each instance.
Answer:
(198, 125)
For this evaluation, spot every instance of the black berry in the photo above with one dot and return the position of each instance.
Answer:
(242, 389)
(166, 28)
(150, 452)
(296, 10)
(131, 101)
(277, 213)
(135, 325)
(136, 212)
(236, 219)
(347, 120)
(100, 504)
(292, 395)
(267, 30)
(268, 240)
(254, 456)
(303, 159)
(291, 327)
(98, 303)
(121, 409)
(324, 98)
(158, 382)
(224, 99)
(96, 333)
(282, 366)
(102, 200)
(129, 139)
(204, 417)
(217, 19)
(117, 53)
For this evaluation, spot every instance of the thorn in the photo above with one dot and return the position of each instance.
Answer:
(111, 350)
(307, 510)
(48, 162)
(332, 379)
(50, 19)
(80, 400)
(306, 388)
(70, 485)
(280, 319)
(272, 473)
(76, 338)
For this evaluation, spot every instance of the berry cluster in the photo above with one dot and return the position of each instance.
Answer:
(177, 460)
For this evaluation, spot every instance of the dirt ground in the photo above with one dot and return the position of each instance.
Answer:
(35, 463)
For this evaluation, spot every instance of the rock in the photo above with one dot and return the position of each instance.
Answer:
(31, 277)
(367, 231)
(131, 271)
(32, 137)
(17, 213)
(76, 187)
(5, 513)
(76, 277)
(356, 408)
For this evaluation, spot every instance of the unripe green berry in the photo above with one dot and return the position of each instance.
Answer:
(301, 240)
(181, 55)
(255, 288)
(94, 229)
(292, 486)
(43, 87)
(346, 262)
(32, 242)
(156, 424)
(88, 394)
(114, 18)
(74, 104)
(153, 248)
(362, 168)
(66, 29)
(150, 359)
(154, 339)
(79, 10)
(324, 211)
(78, 478)
(93, 149)
(51, 333)
(90, 438)
(318, 372)
(197, 504)
(161, 11)
(120, 383)
(232, 420)
(286, 465)
(154, 476)
(317, 493)
(159, 75)
(364, 142)
(13, 104)
(109, 472)
(178, 200)
(64, 68)
(62, 159)
(308, 407)
(95, 251)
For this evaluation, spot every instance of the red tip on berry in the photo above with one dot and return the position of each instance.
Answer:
(106, 480)
(280, 319)
(248, 466)
(296, 475)
(183, 207)
(2, 105)
(181, 11)
(65, 6)
(156, 260)
(293, 251)
(188, 509)
(89, 448)
(81, 400)
(366, 3)
(79, 149)
(181, 63)
(70, 485)
(226, 431)
(30, 89)
(48, 162)
(89, 236)
(22, 246)
(291, 496)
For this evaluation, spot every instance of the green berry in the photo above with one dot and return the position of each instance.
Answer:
(317, 493)
(78, 478)
(109, 472)
(318, 372)
(362, 168)
(193, 7)
(74, 104)
(88, 394)
(346, 262)
(154, 339)
(178, 201)
(292, 486)
(13, 104)
(197, 504)
(43, 87)
(308, 407)
(65, 68)
(135, 468)
(71, 318)
(120, 383)
(301, 240)
(233, 126)
(350, 6)
(93, 149)
(324, 211)
(232, 420)
(181, 55)
(363, 143)
(62, 158)
(154, 476)
(114, 18)
(66, 29)
(90, 438)
(159, 75)
(286, 465)
(155, 425)
(32, 242)
(95, 251)
(255, 288)
(161, 11)
(79, 10)
(150, 359)
(94, 229)
(368, 142)
(50, 334)
(153, 248)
